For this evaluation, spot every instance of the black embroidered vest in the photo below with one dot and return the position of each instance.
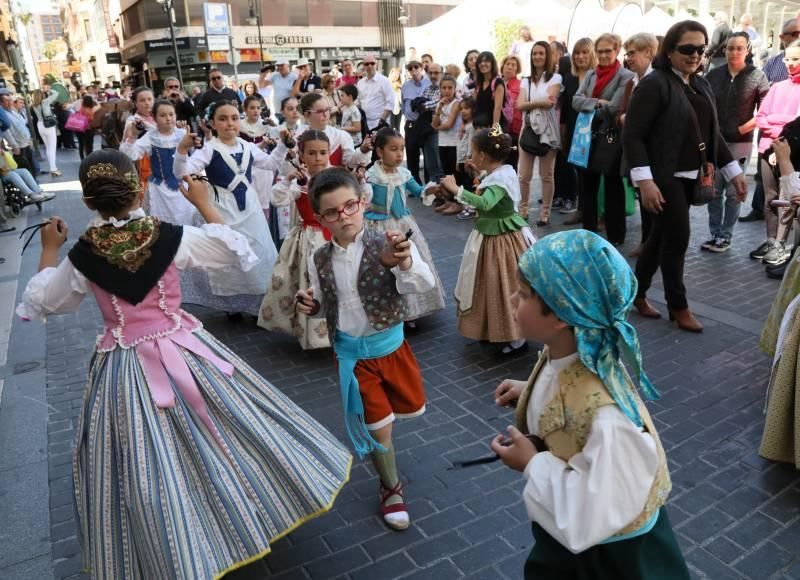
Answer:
(127, 261)
(377, 286)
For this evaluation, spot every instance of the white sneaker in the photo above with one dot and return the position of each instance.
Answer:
(41, 196)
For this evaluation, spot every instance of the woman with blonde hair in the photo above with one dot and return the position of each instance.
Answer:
(582, 60)
(331, 95)
(397, 82)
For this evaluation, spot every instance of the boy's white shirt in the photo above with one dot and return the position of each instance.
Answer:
(345, 262)
(603, 488)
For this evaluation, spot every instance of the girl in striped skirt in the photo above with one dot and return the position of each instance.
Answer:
(187, 463)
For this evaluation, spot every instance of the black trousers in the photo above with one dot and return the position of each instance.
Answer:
(614, 205)
(666, 245)
(85, 143)
(758, 195)
(447, 155)
(566, 179)
(647, 218)
(422, 138)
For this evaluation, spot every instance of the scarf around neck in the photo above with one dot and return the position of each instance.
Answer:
(604, 76)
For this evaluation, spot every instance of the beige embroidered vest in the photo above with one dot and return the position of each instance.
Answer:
(567, 420)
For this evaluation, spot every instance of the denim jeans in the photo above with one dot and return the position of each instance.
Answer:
(22, 180)
(723, 211)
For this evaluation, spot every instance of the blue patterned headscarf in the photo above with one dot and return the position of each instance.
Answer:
(589, 285)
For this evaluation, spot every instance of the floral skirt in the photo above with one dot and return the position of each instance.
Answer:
(289, 275)
(418, 305)
(158, 497)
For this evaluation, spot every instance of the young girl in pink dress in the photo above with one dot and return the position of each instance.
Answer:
(187, 464)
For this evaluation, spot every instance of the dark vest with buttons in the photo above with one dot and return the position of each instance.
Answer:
(377, 286)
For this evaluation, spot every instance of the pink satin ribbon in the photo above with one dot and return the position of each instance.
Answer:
(161, 359)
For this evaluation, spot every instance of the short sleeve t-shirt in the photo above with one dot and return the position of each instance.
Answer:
(352, 115)
(538, 91)
(282, 87)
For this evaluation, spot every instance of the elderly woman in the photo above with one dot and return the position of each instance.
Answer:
(332, 98)
(670, 129)
(640, 50)
(510, 68)
(602, 91)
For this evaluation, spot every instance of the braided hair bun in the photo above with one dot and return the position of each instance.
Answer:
(494, 143)
(109, 181)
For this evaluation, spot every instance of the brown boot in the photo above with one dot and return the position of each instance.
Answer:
(645, 308)
(686, 320)
(576, 219)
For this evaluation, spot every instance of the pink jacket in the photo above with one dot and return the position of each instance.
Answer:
(781, 105)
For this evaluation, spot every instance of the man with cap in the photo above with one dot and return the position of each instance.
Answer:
(307, 81)
(217, 91)
(411, 93)
(282, 83)
(375, 94)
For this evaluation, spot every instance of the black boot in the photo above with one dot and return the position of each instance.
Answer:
(753, 216)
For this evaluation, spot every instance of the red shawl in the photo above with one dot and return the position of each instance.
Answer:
(604, 76)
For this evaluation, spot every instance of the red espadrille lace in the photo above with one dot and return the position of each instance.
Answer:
(386, 493)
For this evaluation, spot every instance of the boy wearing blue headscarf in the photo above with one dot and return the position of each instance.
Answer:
(597, 483)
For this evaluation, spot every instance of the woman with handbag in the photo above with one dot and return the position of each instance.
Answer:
(671, 140)
(86, 137)
(46, 124)
(602, 91)
(540, 136)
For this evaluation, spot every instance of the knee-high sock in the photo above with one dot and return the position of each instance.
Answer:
(386, 466)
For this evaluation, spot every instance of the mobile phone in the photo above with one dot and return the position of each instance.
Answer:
(409, 233)
(780, 203)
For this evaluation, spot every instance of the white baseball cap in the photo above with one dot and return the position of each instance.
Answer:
(281, 61)
(302, 62)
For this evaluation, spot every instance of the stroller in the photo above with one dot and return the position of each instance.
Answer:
(15, 199)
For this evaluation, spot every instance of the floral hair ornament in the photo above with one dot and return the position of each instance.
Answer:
(496, 131)
(101, 170)
(130, 179)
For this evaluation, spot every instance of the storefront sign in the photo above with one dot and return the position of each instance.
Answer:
(187, 58)
(355, 53)
(166, 44)
(216, 42)
(216, 18)
(271, 54)
(113, 58)
(280, 39)
(218, 56)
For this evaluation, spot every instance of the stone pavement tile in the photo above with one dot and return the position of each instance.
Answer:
(338, 563)
(439, 571)
(482, 555)
(765, 561)
(785, 507)
(752, 530)
(385, 568)
(33, 568)
(24, 532)
(707, 566)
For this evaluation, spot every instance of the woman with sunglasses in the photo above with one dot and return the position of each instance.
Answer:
(665, 153)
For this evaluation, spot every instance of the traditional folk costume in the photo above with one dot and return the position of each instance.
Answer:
(780, 338)
(364, 306)
(290, 273)
(388, 211)
(164, 198)
(229, 170)
(343, 152)
(487, 278)
(263, 179)
(595, 492)
(143, 164)
(187, 464)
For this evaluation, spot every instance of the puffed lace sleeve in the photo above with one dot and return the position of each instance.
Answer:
(214, 247)
(790, 184)
(53, 291)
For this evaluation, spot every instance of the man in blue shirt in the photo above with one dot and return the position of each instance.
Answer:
(282, 82)
(420, 135)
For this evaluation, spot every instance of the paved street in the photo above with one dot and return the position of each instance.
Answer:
(737, 516)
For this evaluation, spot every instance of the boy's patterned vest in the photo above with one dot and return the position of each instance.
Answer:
(567, 420)
(377, 286)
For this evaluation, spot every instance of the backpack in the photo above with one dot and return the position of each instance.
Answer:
(508, 106)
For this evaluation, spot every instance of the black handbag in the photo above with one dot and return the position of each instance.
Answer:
(529, 141)
(605, 154)
(49, 121)
(704, 191)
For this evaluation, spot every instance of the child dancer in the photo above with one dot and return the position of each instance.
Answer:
(254, 130)
(597, 476)
(446, 121)
(291, 270)
(228, 162)
(143, 120)
(343, 153)
(359, 280)
(389, 182)
(487, 277)
(187, 463)
(164, 199)
(780, 337)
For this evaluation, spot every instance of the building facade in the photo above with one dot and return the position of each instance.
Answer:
(92, 40)
(322, 31)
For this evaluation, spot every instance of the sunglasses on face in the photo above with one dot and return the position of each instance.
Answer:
(793, 34)
(216, 78)
(369, 64)
(690, 49)
(415, 67)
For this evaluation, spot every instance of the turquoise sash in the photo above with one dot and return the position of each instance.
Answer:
(349, 350)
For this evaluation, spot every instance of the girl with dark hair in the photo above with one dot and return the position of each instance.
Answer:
(490, 92)
(228, 162)
(163, 197)
(488, 275)
(169, 409)
(142, 119)
(470, 72)
(388, 186)
(343, 153)
(291, 270)
(538, 95)
(86, 139)
(671, 129)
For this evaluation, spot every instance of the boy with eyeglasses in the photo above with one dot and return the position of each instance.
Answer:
(358, 281)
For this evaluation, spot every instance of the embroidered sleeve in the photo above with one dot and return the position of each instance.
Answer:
(601, 490)
(53, 291)
(314, 286)
(214, 247)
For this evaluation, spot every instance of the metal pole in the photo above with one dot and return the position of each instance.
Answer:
(170, 13)
(258, 24)
(233, 54)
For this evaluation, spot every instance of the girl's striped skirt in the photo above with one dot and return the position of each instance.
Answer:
(156, 494)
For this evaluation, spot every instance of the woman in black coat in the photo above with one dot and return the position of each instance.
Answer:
(663, 150)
